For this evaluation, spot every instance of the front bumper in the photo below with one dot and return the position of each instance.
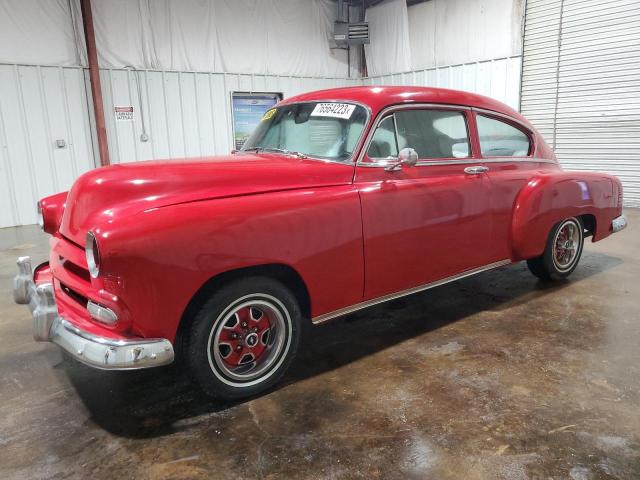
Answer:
(104, 352)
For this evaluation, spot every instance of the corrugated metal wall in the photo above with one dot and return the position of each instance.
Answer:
(39, 105)
(581, 84)
(498, 78)
(186, 113)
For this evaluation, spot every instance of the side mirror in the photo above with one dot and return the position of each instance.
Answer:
(406, 156)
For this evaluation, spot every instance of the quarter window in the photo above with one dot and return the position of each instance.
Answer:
(431, 133)
(384, 143)
(499, 139)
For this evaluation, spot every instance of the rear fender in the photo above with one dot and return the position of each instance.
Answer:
(548, 198)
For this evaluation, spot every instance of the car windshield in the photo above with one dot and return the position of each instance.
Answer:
(327, 130)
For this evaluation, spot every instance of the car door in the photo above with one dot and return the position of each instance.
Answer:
(507, 149)
(426, 222)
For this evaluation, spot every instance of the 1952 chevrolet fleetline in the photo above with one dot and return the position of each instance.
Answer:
(339, 200)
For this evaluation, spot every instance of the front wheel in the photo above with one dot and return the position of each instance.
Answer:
(562, 252)
(243, 338)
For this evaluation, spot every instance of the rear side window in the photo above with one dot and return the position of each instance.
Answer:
(500, 139)
(431, 133)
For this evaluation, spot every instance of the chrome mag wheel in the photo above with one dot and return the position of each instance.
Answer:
(566, 244)
(249, 340)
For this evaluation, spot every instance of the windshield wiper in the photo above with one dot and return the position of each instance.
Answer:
(275, 150)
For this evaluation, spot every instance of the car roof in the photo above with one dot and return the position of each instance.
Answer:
(377, 97)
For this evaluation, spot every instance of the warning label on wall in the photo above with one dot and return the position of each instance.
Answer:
(124, 114)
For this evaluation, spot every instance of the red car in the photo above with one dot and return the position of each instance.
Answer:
(340, 199)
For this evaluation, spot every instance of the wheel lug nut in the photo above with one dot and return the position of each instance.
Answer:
(234, 335)
(239, 347)
(243, 324)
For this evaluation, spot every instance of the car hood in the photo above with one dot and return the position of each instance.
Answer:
(103, 194)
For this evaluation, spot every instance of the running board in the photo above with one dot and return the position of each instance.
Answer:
(385, 298)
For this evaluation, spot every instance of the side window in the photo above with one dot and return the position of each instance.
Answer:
(383, 143)
(499, 139)
(434, 133)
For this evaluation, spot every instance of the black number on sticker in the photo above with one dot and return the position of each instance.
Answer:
(340, 110)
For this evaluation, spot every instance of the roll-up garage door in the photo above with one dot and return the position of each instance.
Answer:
(581, 84)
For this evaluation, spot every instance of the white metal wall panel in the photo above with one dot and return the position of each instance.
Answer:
(39, 105)
(581, 84)
(539, 64)
(186, 114)
(498, 78)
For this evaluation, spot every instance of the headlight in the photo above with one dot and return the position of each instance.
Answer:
(93, 255)
(40, 216)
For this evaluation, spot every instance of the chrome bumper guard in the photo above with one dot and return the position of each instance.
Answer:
(619, 223)
(93, 350)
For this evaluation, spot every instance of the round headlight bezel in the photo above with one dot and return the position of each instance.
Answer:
(92, 253)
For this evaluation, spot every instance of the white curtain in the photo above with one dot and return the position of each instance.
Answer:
(37, 32)
(451, 32)
(281, 37)
(278, 37)
(389, 50)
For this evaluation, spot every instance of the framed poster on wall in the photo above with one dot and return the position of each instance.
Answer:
(247, 109)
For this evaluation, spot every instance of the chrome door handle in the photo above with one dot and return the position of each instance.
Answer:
(476, 170)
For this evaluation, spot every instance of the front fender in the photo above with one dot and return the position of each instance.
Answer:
(550, 197)
(52, 208)
(157, 260)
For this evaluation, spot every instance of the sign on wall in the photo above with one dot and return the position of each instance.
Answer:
(247, 111)
(124, 114)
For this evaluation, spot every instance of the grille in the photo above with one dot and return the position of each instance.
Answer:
(75, 269)
(75, 296)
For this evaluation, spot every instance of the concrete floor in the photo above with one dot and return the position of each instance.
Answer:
(493, 377)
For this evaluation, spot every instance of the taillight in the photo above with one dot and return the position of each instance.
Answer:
(93, 255)
(620, 198)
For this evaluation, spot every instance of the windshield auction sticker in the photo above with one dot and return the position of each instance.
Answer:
(268, 114)
(338, 110)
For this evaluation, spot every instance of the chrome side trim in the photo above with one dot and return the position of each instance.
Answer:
(492, 113)
(619, 223)
(465, 161)
(517, 159)
(385, 298)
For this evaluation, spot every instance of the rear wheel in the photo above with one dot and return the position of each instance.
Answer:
(244, 338)
(562, 252)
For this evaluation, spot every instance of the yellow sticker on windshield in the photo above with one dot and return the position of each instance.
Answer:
(268, 114)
